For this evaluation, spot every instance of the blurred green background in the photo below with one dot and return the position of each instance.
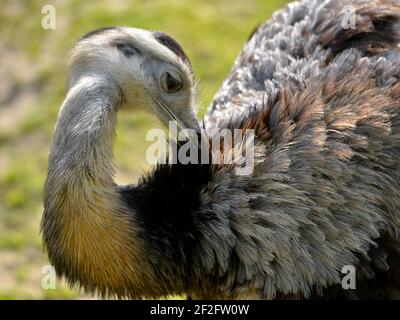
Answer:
(32, 87)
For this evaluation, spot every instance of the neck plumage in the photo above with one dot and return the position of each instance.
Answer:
(90, 235)
(83, 138)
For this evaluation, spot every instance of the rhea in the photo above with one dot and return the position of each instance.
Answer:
(324, 103)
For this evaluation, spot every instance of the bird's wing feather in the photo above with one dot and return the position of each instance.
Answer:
(297, 43)
(325, 193)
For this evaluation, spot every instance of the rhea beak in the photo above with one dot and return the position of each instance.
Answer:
(172, 116)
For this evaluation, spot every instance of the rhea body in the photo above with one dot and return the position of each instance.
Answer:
(324, 193)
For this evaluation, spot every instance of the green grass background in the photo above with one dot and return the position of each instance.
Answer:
(32, 87)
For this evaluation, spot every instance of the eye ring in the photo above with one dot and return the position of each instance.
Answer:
(171, 81)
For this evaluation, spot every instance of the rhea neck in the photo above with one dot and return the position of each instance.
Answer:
(84, 134)
(89, 234)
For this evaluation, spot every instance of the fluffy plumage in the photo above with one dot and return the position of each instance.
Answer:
(325, 103)
(325, 192)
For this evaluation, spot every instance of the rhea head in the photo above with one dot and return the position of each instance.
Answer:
(149, 70)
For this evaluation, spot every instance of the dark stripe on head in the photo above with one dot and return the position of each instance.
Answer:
(172, 45)
(98, 31)
(127, 48)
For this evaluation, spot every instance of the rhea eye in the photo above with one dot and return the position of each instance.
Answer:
(171, 82)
